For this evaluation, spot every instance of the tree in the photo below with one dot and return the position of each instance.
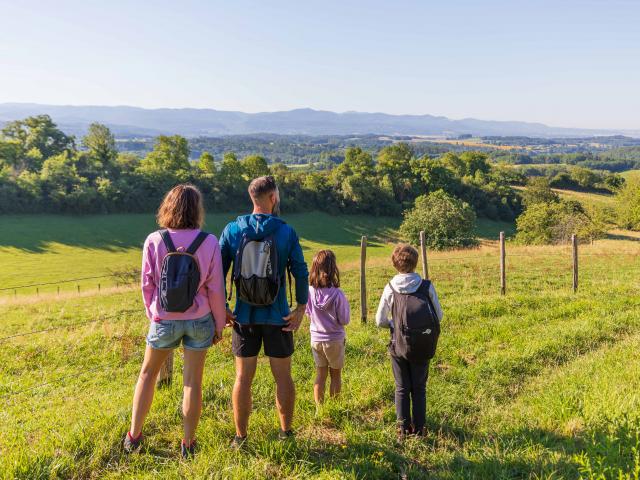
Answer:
(539, 191)
(231, 170)
(448, 222)
(101, 145)
(356, 162)
(207, 164)
(255, 166)
(38, 138)
(435, 176)
(169, 155)
(394, 163)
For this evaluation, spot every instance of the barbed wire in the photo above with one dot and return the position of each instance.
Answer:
(71, 280)
(13, 393)
(69, 325)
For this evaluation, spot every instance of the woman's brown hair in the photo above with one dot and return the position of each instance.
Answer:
(324, 270)
(181, 208)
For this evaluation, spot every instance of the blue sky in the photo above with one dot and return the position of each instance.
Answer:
(564, 63)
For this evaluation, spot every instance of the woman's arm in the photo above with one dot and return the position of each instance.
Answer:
(147, 280)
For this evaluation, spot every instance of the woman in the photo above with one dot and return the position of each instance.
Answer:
(180, 312)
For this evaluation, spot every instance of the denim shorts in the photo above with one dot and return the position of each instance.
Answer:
(194, 334)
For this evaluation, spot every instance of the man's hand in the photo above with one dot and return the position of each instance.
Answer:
(294, 319)
(231, 318)
(217, 336)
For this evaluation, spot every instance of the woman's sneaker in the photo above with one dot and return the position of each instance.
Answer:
(131, 444)
(188, 451)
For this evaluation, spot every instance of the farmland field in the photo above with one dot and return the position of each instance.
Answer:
(540, 383)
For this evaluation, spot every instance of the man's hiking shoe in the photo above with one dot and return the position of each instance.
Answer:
(238, 442)
(131, 444)
(188, 451)
(282, 435)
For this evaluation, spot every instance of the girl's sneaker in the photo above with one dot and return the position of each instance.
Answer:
(188, 451)
(282, 435)
(131, 444)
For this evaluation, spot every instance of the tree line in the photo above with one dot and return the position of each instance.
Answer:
(44, 170)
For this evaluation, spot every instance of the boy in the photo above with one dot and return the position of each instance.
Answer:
(412, 304)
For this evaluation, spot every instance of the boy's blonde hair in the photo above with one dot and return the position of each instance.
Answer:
(404, 258)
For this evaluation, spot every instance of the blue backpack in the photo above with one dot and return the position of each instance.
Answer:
(180, 277)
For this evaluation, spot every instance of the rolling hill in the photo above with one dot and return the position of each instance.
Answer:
(128, 121)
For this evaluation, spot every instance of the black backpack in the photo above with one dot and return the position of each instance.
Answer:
(416, 327)
(255, 271)
(180, 277)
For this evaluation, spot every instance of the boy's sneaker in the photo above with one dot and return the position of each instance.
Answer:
(282, 435)
(188, 451)
(131, 444)
(238, 442)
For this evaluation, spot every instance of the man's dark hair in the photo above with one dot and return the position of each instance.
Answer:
(261, 186)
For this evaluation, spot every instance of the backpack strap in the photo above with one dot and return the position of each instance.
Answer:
(290, 287)
(201, 237)
(166, 238)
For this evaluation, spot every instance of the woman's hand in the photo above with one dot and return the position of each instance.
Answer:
(217, 336)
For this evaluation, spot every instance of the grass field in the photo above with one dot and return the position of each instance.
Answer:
(540, 383)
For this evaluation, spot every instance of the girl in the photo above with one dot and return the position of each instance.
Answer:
(181, 215)
(328, 310)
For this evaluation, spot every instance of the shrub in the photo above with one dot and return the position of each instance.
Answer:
(447, 221)
(555, 222)
(628, 205)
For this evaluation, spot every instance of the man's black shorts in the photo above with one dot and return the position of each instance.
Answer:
(247, 340)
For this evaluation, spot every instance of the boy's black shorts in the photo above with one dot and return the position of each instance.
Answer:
(247, 340)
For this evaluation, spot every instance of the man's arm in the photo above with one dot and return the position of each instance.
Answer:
(226, 254)
(298, 268)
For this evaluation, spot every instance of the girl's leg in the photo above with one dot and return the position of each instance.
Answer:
(143, 396)
(336, 381)
(319, 384)
(192, 397)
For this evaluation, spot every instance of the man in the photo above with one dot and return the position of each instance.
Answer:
(272, 324)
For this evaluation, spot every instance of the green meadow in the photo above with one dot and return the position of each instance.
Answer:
(541, 383)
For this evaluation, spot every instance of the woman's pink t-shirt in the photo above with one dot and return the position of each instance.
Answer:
(210, 297)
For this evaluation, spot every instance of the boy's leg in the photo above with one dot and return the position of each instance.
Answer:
(192, 396)
(319, 384)
(143, 396)
(419, 375)
(242, 401)
(336, 381)
(402, 377)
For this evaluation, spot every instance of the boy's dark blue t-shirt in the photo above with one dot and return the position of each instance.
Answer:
(257, 226)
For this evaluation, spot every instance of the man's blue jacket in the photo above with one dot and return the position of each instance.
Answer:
(257, 226)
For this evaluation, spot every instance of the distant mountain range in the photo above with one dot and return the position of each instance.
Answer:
(127, 122)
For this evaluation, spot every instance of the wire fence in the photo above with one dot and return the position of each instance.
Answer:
(483, 263)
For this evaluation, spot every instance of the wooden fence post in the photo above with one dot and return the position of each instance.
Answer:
(165, 377)
(78, 289)
(574, 243)
(58, 290)
(363, 279)
(37, 292)
(98, 288)
(503, 269)
(15, 293)
(423, 252)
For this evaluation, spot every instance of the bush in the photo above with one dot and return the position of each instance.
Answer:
(628, 205)
(447, 221)
(546, 223)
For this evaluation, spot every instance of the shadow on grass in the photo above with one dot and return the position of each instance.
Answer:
(35, 233)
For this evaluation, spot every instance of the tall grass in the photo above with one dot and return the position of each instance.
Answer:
(540, 383)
